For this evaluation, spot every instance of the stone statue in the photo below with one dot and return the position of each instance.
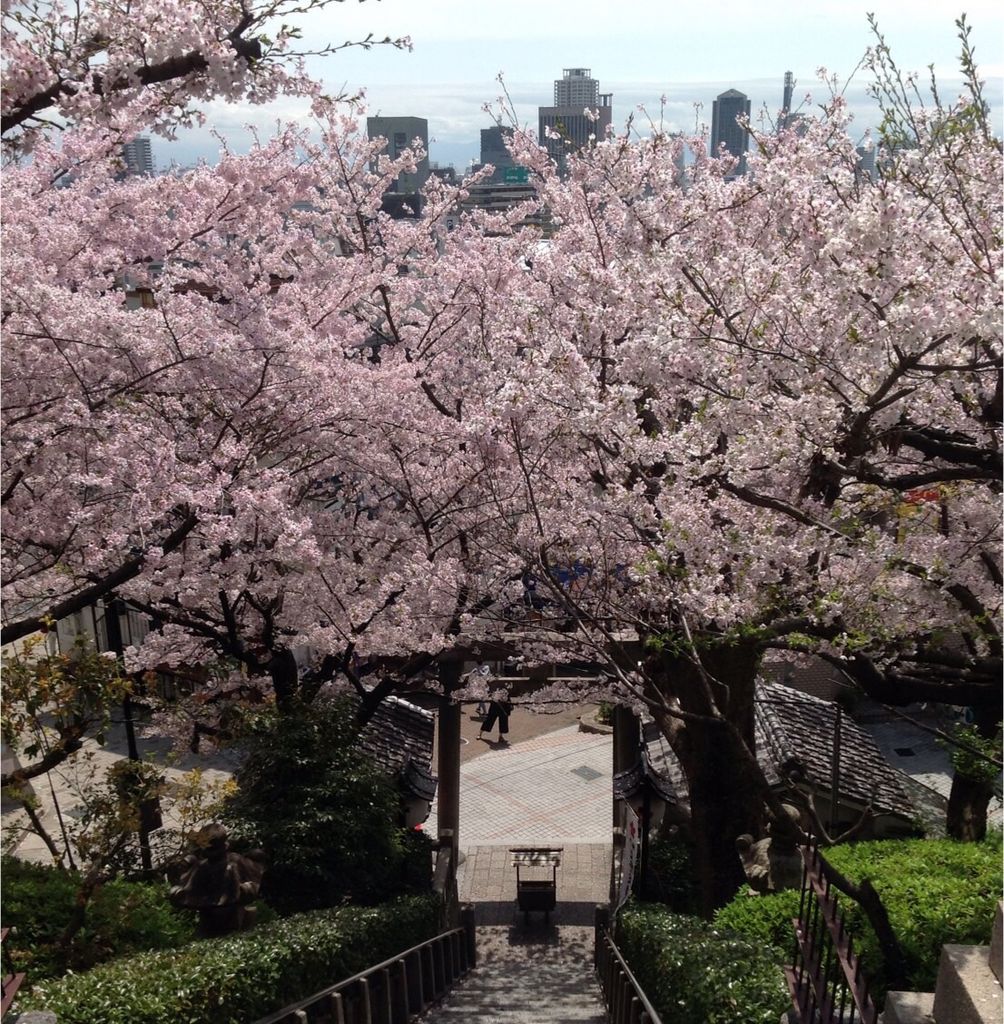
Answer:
(218, 883)
(773, 863)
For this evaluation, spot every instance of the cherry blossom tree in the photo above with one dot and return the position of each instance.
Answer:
(252, 457)
(765, 413)
(704, 418)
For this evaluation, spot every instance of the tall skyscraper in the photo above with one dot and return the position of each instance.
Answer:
(730, 105)
(574, 92)
(138, 156)
(493, 150)
(400, 132)
(789, 88)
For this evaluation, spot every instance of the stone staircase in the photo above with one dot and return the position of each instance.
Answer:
(968, 989)
(527, 976)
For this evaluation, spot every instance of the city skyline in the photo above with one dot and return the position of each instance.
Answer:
(639, 55)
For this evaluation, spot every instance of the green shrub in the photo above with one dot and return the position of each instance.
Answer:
(935, 891)
(240, 978)
(694, 973)
(325, 816)
(122, 918)
(671, 877)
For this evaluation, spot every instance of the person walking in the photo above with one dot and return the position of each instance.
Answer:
(499, 710)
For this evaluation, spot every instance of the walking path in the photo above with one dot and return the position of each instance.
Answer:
(553, 790)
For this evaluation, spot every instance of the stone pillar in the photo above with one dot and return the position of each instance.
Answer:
(448, 769)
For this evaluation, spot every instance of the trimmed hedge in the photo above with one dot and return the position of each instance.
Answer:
(122, 918)
(935, 890)
(240, 978)
(694, 973)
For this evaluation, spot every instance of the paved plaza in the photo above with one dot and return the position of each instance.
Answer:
(549, 790)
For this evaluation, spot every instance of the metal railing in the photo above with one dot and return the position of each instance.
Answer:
(12, 980)
(394, 991)
(826, 982)
(626, 1002)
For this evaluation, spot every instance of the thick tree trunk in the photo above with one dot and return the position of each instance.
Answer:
(723, 806)
(285, 676)
(726, 796)
(967, 807)
(970, 796)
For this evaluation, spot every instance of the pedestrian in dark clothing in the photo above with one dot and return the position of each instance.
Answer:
(499, 710)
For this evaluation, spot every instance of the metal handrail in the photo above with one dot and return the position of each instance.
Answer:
(410, 981)
(625, 999)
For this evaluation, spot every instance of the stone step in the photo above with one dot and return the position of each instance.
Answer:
(534, 975)
(967, 990)
(908, 1008)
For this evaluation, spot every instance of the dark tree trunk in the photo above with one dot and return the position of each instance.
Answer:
(726, 796)
(285, 676)
(967, 807)
(970, 796)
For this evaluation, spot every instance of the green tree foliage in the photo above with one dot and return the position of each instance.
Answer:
(325, 816)
(53, 702)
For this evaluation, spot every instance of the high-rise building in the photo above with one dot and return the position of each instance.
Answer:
(730, 105)
(789, 88)
(574, 93)
(494, 152)
(400, 133)
(138, 156)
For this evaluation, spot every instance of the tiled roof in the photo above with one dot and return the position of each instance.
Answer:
(627, 783)
(796, 728)
(399, 738)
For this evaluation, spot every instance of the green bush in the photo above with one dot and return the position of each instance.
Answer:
(122, 918)
(671, 876)
(935, 891)
(325, 816)
(694, 973)
(242, 977)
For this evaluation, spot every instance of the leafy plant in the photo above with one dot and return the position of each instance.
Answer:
(243, 977)
(319, 808)
(671, 876)
(967, 749)
(123, 918)
(695, 973)
(935, 890)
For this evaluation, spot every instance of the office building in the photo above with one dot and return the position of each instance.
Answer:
(574, 93)
(494, 152)
(138, 156)
(730, 105)
(400, 133)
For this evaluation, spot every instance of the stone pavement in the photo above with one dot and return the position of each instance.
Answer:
(549, 790)
(554, 790)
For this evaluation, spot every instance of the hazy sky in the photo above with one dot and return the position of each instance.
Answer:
(639, 50)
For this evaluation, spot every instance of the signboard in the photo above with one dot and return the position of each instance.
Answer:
(630, 854)
(515, 175)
